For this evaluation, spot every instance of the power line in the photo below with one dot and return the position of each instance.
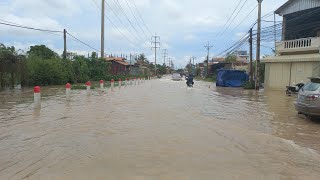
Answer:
(119, 19)
(234, 17)
(30, 28)
(136, 18)
(125, 14)
(141, 17)
(112, 23)
(46, 30)
(82, 42)
(229, 18)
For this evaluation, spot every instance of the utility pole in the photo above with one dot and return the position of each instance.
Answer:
(130, 62)
(251, 64)
(208, 47)
(102, 29)
(275, 32)
(65, 43)
(156, 43)
(193, 69)
(165, 54)
(257, 80)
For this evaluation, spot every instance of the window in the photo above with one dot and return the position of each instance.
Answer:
(311, 86)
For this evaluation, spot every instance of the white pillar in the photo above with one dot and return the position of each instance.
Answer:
(68, 91)
(112, 84)
(37, 97)
(88, 84)
(120, 83)
(101, 85)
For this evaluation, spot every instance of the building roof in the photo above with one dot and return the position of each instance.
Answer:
(218, 59)
(117, 60)
(114, 59)
(123, 63)
(292, 6)
(201, 64)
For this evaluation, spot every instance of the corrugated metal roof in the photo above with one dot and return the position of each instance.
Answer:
(297, 5)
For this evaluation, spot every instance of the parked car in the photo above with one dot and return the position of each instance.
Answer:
(176, 77)
(308, 102)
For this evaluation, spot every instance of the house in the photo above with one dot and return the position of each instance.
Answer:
(217, 59)
(297, 55)
(242, 57)
(118, 65)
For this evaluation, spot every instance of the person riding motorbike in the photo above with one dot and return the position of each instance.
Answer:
(190, 80)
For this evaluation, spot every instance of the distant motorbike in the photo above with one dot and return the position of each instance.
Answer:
(190, 84)
(294, 89)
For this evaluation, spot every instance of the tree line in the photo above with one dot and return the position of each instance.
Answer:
(42, 66)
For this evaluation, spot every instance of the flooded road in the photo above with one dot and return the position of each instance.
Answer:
(159, 130)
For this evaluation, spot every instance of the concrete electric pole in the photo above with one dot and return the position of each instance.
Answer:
(102, 29)
(65, 43)
(257, 79)
(208, 47)
(156, 43)
(193, 65)
(251, 59)
(165, 54)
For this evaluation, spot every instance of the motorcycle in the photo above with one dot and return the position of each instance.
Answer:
(190, 83)
(294, 89)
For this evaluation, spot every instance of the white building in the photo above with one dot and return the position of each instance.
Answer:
(297, 55)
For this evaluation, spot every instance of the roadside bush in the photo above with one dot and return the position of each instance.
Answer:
(47, 71)
(248, 85)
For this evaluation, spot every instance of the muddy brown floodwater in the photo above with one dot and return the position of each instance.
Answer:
(157, 131)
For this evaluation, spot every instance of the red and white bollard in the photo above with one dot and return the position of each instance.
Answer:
(101, 85)
(37, 97)
(88, 84)
(126, 82)
(112, 84)
(135, 81)
(130, 81)
(68, 91)
(120, 82)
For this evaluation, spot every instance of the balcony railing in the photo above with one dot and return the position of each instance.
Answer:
(305, 45)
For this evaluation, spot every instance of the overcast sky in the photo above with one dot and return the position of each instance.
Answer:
(184, 26)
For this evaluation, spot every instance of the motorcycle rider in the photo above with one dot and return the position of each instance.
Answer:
(190, 80)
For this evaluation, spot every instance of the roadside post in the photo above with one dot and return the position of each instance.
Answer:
(120, 82)
(68, 91)
(37, 97)
(112, 84)
(88, 84)
(101, 85)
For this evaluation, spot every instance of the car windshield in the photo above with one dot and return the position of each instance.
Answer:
(311, 86)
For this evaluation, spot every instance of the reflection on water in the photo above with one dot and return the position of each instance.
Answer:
(156, 130)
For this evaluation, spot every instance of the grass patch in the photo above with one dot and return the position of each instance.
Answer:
(84, 87)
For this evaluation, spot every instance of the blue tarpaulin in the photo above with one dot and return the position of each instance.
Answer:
(231, 78)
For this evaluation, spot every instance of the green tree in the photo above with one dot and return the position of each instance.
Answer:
(10, 63)
(81, 69)
(231, 59)
(42, 51)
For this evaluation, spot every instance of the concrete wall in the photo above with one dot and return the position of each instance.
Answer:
(277, 75)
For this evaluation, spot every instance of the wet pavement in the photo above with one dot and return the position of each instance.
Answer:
(157, 130)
